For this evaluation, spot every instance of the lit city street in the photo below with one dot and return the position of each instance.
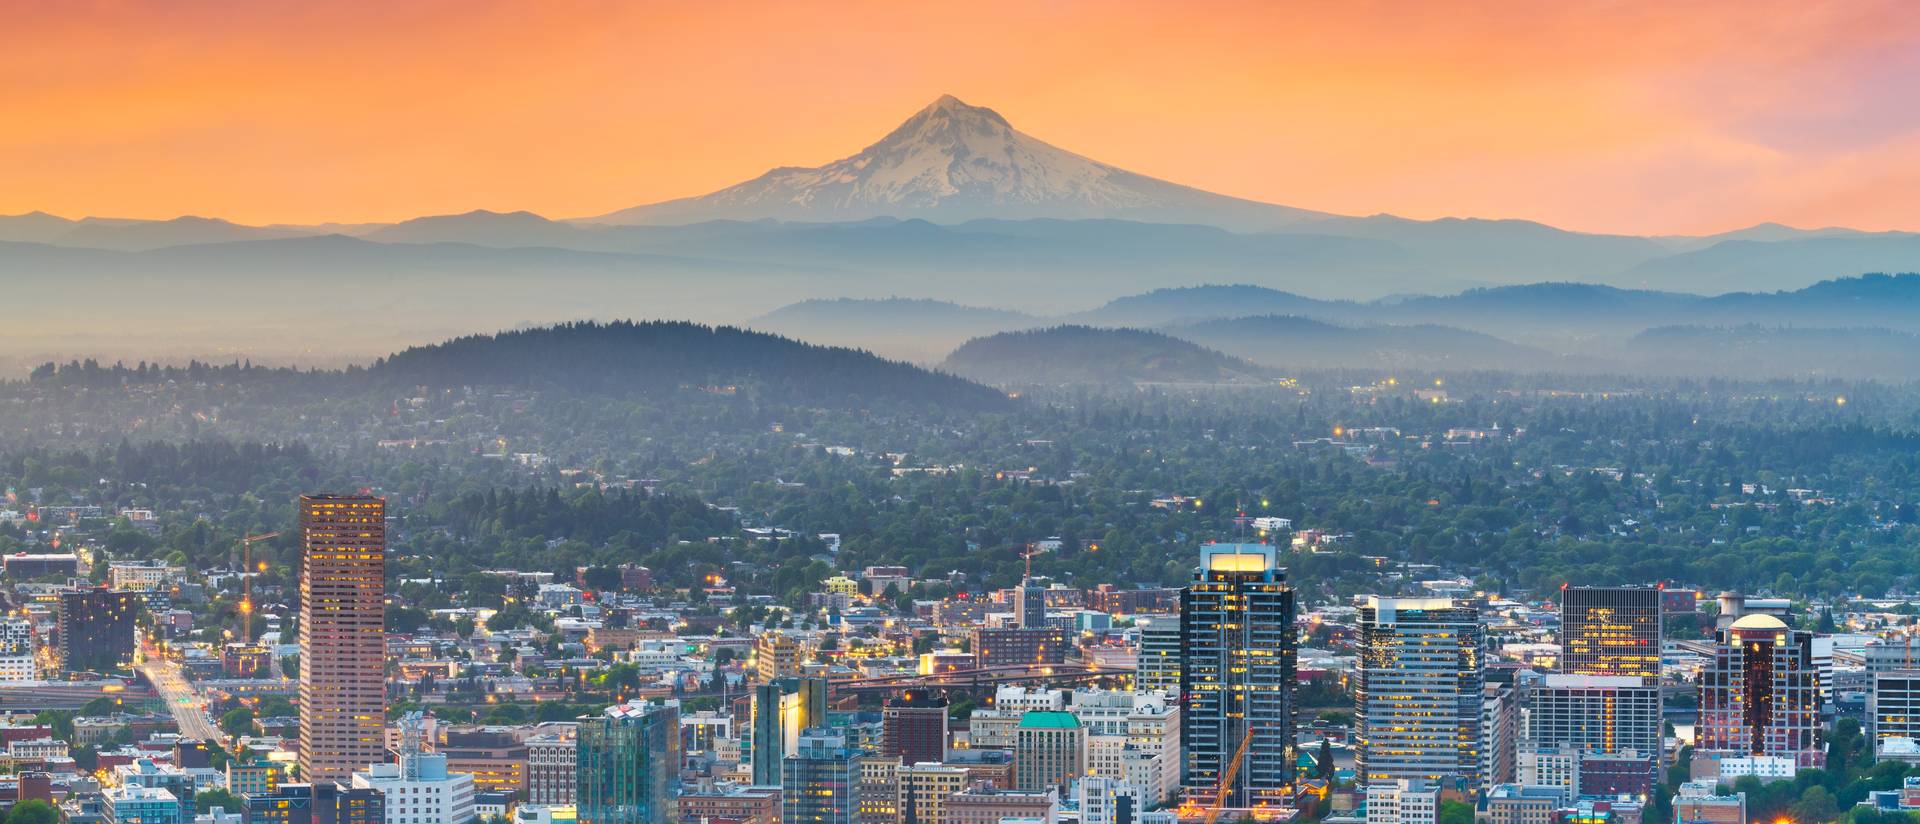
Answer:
(188, 708)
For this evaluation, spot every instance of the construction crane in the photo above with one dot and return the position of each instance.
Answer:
(1226, 777)
(247, 572)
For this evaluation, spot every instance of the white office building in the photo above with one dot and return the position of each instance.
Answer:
(419, 789)
(1108, 801)
(1157, 665)
(1548, 767)
(1403, 802)
(1596, 713)
(17, 662)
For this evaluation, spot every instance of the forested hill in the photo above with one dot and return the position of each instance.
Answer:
(625, 357)
(620, 358)
(1086, 355)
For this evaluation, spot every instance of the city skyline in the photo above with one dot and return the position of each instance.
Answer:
(852, 412)
(1424, 705)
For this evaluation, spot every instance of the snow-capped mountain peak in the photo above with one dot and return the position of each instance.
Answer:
(952, 162)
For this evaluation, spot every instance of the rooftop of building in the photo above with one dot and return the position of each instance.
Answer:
(1048, 719)
(137, 793)
(1560, 680)
(1759, 621)
(1527, 791)
(638, 708)
(1238, 557)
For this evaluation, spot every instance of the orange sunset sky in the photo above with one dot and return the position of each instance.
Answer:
(1618, 117)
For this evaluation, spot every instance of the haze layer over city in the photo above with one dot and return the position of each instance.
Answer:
(973, 413)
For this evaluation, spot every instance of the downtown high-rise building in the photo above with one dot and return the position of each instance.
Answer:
(1893, 714)
(629, 764)
(343, 697)
(1761, 694)
(1157, 666)
(923, 790)
(1030, 605)
(877, 790)
(1607, 714)
(1420, 691)
(765, 736)
(97, 628)
(1893, 698)
(553, 768)
(1237, 676)
(419, 787)
(496, 758)
(1500, 730)
(986, 803)
(326, 803)
(820, 782)
(1611, 631)
(1037, 648)
(1049, 751)
(914, 727)
(1108, 801)
(777, 655)
(781, 711)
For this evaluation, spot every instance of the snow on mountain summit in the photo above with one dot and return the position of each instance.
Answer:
(951, 149)
(953, 162)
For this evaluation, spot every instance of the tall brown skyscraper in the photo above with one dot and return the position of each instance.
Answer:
(343, 701)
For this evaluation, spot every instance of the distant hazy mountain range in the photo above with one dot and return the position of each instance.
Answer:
(1249, 350)
(954, 205)
(918, 330)
(1290, 342)
(1541, 327)
(993, 198)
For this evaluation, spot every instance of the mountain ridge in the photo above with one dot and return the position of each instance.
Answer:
(955, 161)
(953, 204)
(1104, 257)
(1291, 342)
(1555, 317)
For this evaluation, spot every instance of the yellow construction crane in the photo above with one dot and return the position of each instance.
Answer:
(247, 572)
(1227, 775)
